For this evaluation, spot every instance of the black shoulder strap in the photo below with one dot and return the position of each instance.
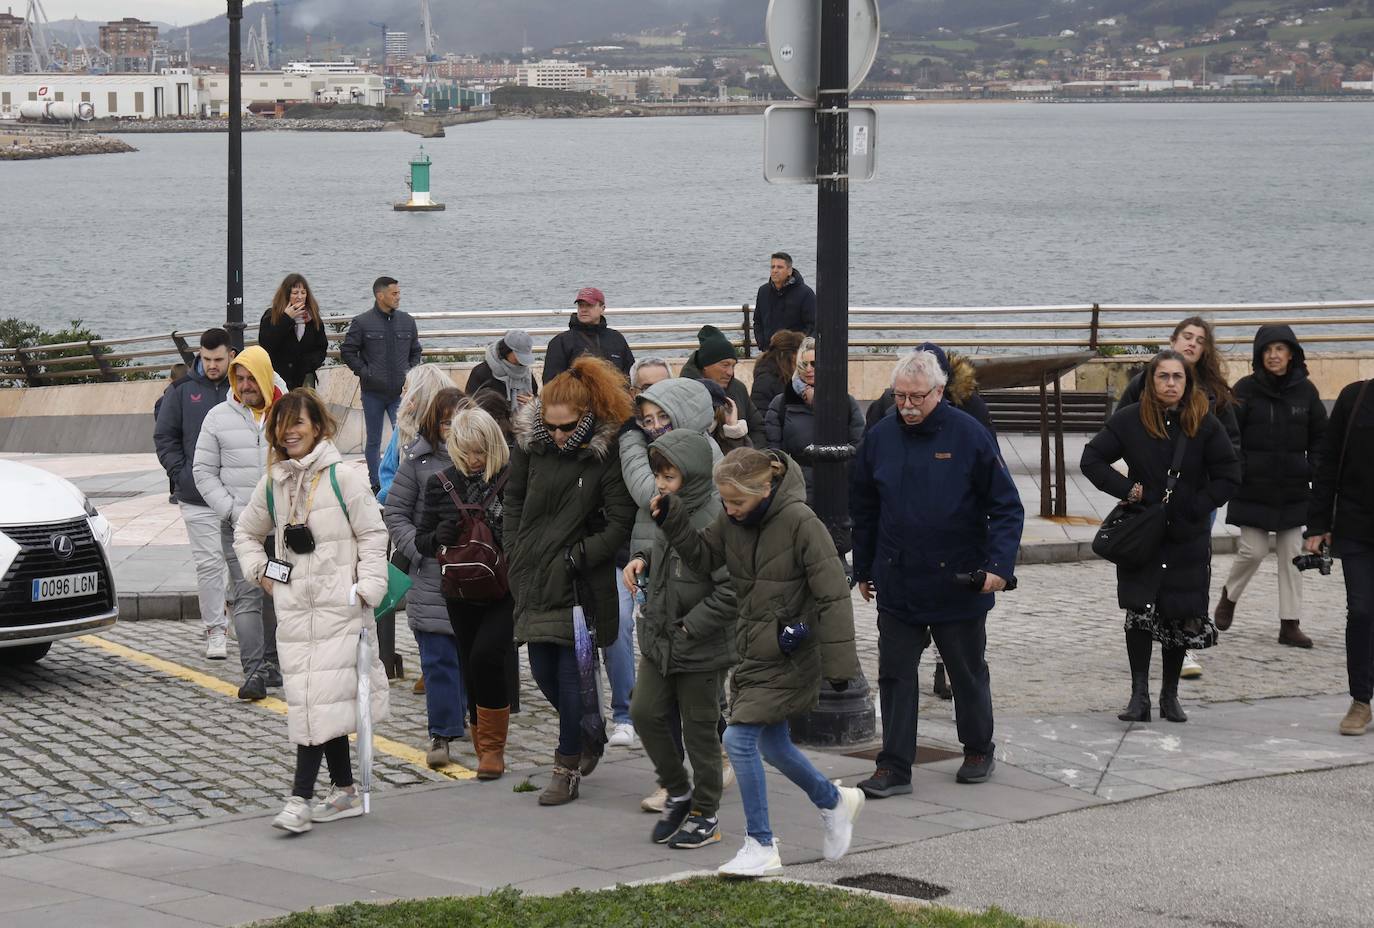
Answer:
(1349, 427)
(1180, 445)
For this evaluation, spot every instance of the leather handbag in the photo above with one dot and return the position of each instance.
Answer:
(1132, 533)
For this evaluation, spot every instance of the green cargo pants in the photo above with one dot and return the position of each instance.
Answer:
(696, 698)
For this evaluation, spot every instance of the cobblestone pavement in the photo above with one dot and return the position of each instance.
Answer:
(91, 742)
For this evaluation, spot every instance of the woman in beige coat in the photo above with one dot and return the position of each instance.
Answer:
(335, 549)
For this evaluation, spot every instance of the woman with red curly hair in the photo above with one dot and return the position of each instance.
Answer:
(567, 511)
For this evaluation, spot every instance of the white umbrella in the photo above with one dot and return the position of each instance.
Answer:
(365, 720)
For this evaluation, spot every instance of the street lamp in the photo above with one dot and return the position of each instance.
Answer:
(233, 318)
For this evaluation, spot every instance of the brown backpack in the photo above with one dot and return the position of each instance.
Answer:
(473, 569)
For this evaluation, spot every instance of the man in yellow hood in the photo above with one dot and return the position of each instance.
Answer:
(230, 460)
(254, 384)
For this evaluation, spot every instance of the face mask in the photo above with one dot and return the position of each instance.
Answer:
(658, 432)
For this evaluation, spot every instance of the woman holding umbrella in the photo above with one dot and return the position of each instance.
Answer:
(327, 570)
(566, 513)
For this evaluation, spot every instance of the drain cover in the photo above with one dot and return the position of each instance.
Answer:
(894, 885)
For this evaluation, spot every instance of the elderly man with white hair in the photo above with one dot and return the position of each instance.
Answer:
(937, 522)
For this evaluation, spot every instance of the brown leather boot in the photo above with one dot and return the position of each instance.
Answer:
(1226, 611)
(491, 750)
(1291, 635)
(562, 788)
(419, 688)
(1357, 719)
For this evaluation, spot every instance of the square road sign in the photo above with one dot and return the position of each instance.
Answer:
(791, 139)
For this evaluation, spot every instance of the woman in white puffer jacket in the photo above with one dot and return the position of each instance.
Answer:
(326, 603)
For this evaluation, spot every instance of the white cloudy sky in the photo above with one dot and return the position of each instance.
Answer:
(179, 12)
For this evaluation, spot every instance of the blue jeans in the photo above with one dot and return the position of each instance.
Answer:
(744, 743)
(554, 667)
(1357, 563)
(445, 701)
(620, 657)
(374, 404)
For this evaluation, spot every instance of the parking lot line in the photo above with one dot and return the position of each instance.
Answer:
(386, 746)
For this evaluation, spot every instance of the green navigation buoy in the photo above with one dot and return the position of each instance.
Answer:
(420, 200)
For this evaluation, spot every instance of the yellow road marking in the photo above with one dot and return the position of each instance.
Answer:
(382, 745)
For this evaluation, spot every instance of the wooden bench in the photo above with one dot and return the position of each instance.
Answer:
(1019, 410)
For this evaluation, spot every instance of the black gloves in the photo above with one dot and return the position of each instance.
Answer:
(447, 533)
(661, 515)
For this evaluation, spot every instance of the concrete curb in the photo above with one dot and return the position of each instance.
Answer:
(185, 607)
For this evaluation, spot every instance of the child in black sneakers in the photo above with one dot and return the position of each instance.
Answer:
(686, 639)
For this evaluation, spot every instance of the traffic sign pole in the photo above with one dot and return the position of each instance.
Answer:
(233, 309)
(843, 717)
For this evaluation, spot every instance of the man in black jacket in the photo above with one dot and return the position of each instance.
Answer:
(179, 418)
(1341, 515)
(785, 302)
(381, 347)
(587, 333)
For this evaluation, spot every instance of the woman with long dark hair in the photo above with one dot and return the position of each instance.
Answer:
(1166, 599)
(774, 369)
(293, 334)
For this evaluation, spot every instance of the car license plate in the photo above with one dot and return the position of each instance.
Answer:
(66, 587)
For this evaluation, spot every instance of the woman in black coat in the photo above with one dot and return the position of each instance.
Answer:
(292, 333)
(1281, 418)
(1166, 600)
(775, 368)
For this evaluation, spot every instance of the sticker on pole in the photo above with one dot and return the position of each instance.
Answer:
(859, 146)
(793, 28)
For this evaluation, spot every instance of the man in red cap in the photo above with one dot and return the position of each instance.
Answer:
(587, 334)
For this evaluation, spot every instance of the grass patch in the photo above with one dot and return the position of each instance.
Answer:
(525, 786)
(701, 903)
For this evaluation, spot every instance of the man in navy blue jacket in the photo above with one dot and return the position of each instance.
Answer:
(931, 499)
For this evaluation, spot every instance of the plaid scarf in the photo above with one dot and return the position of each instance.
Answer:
(578, 439)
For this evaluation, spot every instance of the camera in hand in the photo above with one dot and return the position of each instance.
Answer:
(1320, 562)
(975, 580)
(791, 636)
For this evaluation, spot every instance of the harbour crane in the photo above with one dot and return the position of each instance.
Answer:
(274, 47)
(428, 75)
(36, 36)
(381, 26)
(257, 45)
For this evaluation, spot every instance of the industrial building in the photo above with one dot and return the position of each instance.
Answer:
(123, 96)
(298, 82)
(129, 43)
(550, 74)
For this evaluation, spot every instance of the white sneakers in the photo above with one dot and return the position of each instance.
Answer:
(622, 735)
(340, 803)
(754, 860)
(216, 644)
(839, 822)
(1191, 668)
(655, 801)
(295, 818)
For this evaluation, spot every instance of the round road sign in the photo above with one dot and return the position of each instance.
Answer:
(794, 41)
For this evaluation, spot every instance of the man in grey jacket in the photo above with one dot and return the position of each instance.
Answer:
(381, 347)
(184, 409)
(231, 457)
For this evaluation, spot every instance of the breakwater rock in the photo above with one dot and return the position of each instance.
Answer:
(25, 147)
(120, 126)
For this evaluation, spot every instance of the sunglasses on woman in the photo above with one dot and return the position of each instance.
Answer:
(567, 428)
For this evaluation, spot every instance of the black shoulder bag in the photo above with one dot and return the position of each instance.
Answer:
(1132, 532)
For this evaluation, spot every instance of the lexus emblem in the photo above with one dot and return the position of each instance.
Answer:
(63, 546)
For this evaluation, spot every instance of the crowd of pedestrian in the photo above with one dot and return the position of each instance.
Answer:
(611, 502)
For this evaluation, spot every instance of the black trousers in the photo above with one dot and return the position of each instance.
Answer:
(308, 757)
(962, 645)
(484, 632)
(1357, 563)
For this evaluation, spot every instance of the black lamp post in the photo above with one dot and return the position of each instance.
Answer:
(233, 316)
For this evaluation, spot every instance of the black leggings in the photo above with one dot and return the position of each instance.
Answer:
(484, 632)
(308, 758)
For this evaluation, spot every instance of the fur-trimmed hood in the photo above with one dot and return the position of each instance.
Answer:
(602, 444)
(963, 379)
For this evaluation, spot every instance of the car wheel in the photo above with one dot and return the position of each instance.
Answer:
(24, 654)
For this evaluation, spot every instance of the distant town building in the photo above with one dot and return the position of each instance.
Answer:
(129, 43)
(550, 74)
(299, 82)
(11, 38)
(397, 45)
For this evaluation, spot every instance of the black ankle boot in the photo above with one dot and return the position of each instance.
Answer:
(1169, 706)
(1138, 709)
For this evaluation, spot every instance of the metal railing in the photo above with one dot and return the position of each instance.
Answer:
(462, 335)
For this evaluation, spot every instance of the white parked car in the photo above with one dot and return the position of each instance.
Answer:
(55, 575)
